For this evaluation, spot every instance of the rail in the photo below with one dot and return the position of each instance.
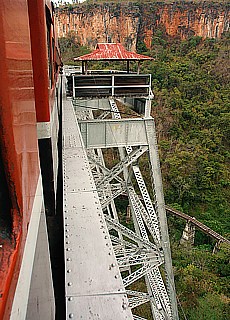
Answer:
(198, 224)
(110, 85)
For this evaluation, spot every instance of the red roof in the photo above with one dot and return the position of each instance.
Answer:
(112, 51)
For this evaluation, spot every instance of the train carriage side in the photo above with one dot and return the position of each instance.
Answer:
(29, 114)
(46, 66)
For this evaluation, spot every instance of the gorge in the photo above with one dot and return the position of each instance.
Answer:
(133, 22)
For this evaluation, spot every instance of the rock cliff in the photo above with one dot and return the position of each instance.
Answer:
(129, 22)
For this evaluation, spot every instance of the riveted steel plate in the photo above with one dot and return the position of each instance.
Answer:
(77, 174)
(107, 307)
(89, 247)
(94, 288)
(114, 133)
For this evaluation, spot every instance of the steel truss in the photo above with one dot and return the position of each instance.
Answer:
(147, 247)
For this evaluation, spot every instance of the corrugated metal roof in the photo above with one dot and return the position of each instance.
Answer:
(112, 51)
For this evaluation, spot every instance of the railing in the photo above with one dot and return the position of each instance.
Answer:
(69, 70)
(110, 85)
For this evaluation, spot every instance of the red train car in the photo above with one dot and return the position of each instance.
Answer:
(30, 110)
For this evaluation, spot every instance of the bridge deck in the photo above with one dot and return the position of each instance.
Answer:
(94, 288)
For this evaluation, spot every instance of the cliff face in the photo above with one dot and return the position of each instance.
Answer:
(128, 22)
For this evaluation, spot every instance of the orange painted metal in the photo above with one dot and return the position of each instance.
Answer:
(40, 58)
(39, 12)
(18, 139)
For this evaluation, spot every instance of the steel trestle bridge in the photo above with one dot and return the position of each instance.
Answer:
(106, 261)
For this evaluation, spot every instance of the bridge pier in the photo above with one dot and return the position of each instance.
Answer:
(217, 247)
(188, 235)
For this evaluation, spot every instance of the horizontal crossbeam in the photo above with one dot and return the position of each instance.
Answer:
(137, 301)
(108, 133)
(139, 258)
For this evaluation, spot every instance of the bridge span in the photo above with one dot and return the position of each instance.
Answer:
(107, 261)
(199, 225)
(94, 288)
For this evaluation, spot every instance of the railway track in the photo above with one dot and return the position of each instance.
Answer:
(198, 225)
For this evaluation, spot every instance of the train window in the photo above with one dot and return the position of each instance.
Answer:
(49, 47)
(5, 204)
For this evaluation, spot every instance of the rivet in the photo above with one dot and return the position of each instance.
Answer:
(71, 315)
(68, 249)
(68, 259)
(116, 276)
(67, 242)
(69, 270)
(70, 283)
(70, 298)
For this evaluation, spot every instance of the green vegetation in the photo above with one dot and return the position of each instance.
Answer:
(192, 111)
(71, 48)
(190, 80)
(202, 282)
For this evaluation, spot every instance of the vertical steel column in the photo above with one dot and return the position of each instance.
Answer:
(148, 107)
(113, 80)
(160, 208)
(73, 87)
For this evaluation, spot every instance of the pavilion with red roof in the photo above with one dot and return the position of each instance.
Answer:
(110, 83)
(111, 52)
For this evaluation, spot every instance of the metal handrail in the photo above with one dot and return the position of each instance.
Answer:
(112, 86)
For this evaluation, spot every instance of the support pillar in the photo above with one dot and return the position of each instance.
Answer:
(188, 235)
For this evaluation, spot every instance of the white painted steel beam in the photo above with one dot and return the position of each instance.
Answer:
(106, 200)
(161, 212)
(136, 275)
(151, 220)
(129, 233)
(148, 218)
(139, 258)
(138, 318)
(138, 210)
(137, 301)
(94, 287)
(117, 169)
(108, 133)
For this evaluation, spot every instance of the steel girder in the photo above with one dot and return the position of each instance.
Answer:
(149, 255)
(151, 220)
